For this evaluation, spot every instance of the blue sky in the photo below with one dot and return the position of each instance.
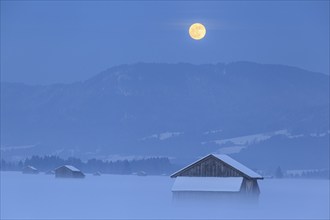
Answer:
(50, 42)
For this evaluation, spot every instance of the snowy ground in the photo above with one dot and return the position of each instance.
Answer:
(124, 196)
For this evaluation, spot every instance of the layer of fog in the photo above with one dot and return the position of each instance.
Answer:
(127, 196)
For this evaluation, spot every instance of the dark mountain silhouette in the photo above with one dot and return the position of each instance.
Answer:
(177, 110)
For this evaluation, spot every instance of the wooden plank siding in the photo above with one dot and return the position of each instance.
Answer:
(212, 167)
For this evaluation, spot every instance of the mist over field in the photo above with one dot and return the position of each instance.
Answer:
(149, 197)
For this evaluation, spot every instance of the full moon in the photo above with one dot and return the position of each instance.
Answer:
(197, 31)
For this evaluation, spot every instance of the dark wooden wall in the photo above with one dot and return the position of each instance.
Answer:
(67, 173)
(211, 167)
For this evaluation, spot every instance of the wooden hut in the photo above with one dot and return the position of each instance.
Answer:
(68, 171)
(98, 173)
(29, 170)
(141, 173)
(216, 176)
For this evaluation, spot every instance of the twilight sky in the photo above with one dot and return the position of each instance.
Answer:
(51, 42)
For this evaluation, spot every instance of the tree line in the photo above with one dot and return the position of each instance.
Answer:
(153, 166)
(312, 174)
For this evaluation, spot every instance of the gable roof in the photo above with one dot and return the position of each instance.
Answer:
(230, 162)
(207, 184)
(238, 166)
(70, 167)
(30, 167)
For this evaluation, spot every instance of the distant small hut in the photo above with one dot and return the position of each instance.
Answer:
(68, 171)
(97, 173)
(29, 170)
(215, 176)
(141, 173)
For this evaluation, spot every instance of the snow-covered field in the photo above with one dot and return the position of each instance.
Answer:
(125, 196)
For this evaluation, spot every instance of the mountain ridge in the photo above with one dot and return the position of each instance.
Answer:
(157, 63)
(115, 109)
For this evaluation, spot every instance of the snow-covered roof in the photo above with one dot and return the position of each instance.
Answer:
(31, 167)
(207, 184)
(70, 167)
(230, 161)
